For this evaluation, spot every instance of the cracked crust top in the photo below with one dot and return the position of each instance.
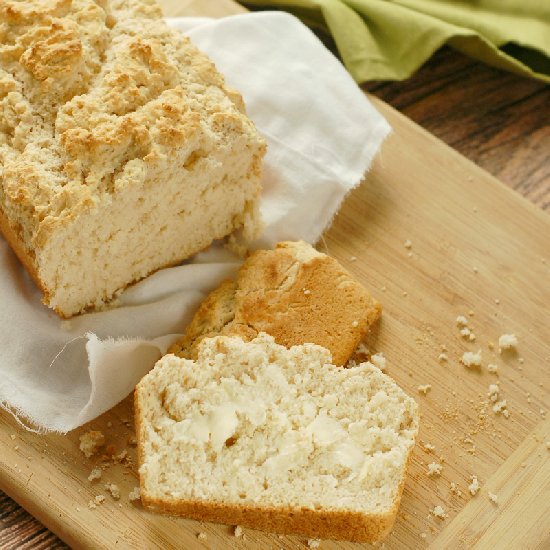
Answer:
(294, 293)
(95, 96)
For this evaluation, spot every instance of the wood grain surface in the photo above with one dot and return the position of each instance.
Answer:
(511, 460)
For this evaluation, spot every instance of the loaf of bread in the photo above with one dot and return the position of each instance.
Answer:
(296, 294)
(121, 149)
(255, 434)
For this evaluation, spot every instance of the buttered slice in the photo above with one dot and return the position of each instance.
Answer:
(260, 435)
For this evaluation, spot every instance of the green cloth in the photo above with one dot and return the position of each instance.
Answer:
(390, 39)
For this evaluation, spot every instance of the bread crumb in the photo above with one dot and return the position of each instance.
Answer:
(408, 244)
(465, 332)
(355, 324)
(410, 254)
(507, 341)
(497, 301)
(548, 445)
(307, 292)
(442, 357)
(439, 512)
(113, 489)
(379, 360)
(132, 441)
(474, 486)
(423, 535)
(313, 543)
(491, 346)
(99, 499)
(134, 494)
(428, 447)
(434, 469)
(92, 505)
(425, 388)
(202, 536)
(493, 392)
(12, 437)
(90, 442)
(95, 474)
(493, 498)
(238, 532)
(353, 259)
(461, 321)
(521, 360)
(471, 359)
(405, 294)
(455, 490)
(476, 270)
(109, 424)
(120, 457)
(492, 368)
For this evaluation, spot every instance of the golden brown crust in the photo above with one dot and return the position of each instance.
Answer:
(295, 299)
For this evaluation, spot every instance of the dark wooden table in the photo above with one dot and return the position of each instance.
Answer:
(498, 120)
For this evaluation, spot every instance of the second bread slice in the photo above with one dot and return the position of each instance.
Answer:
(296, 294)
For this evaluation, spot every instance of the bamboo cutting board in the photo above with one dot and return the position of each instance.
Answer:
(478, 250)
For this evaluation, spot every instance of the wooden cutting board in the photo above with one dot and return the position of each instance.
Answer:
(479, 250)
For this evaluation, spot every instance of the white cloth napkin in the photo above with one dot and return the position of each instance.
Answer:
(322, 135)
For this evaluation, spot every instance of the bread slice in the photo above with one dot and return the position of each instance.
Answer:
(255, 434)
(121, 149)
(294, 293)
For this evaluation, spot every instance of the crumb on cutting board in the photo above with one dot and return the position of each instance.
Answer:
(471, 359)
(507, 342)
(90, 442)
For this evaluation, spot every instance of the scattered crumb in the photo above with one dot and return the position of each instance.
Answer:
(362, 349)
(379, 360)
(92, 505)
(507, 341)
(95, 474)
(12, 437)
(455, 490)
(428, 447)
(313, 543)
(109, 424)
(423, 535)
(471, 359)
(497, 301)
(135, 494)
(493, 498)
(476, 270)
(461, 321)
(474, 486)
(383, 289)
(307, 292)
(120, 457)
(405, 294)
(434, 469)
(113, 489)
(410, 254)
(465, 332)
(355, 324)
(548, 445)
(238, 532)
(491, 346)
(407, 244)
(442, 357)
(132, 441)
(353, 259)
(202, 536)
(77, 509)
(99, 499)
(425, 388)
(493, 392)
(521, 360)
(492, 368)
(90, 442)
(439, 512)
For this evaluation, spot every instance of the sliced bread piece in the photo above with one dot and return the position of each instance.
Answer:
(294, 293)
(258, 435)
